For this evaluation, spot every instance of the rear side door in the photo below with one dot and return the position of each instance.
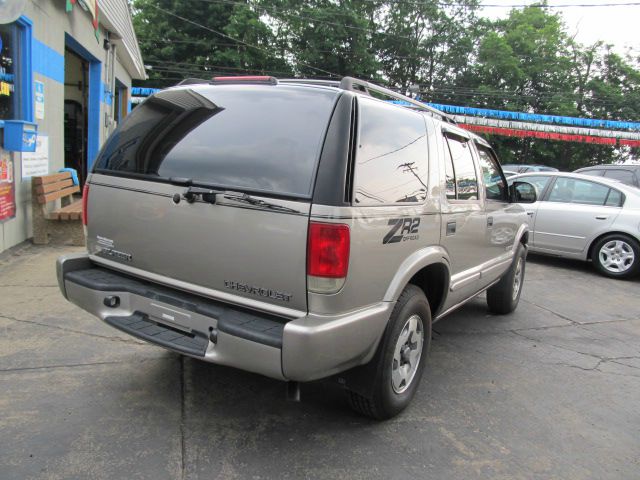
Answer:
(573, 211)
(464, 221)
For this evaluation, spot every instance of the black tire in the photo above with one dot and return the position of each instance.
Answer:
(502, 298)
(622, 245)
(385, 402)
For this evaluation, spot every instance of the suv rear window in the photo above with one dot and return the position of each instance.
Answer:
(262, 139)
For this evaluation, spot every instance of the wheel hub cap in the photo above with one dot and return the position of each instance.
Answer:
(616, 256)
(407, 353)
(517, 279)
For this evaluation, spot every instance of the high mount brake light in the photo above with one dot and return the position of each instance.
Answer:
(85, 200)
(327, 256)
(246, 79)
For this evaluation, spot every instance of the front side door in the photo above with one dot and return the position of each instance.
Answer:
(540, 182)
(503, 218)
(573, 211)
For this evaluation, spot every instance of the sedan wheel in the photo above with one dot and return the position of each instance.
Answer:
(617, 256)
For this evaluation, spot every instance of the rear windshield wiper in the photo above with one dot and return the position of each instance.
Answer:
(209, 194)
(244, 198)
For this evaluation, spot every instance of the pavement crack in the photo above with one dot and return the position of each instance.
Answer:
(538, 340)
(71, 330)
(574, 324)
(46, 367)
(546, 309)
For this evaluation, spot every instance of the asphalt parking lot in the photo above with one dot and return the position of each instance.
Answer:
(551, 391)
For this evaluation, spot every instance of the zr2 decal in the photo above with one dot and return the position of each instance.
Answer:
(408, 228)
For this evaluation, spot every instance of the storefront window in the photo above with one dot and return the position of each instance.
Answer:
(8, 71)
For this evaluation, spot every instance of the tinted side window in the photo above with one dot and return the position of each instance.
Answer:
(571, 190)
(463, 167)
(392, 156)
(593, 173)
(625, 176)
(450, 177)
(495, 186)
(614, 199)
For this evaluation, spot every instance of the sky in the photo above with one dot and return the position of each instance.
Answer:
(616, 25)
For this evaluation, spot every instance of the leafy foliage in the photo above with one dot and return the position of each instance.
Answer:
(525, 62)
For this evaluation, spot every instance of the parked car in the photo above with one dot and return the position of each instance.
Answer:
(588, 218)
(296, 229)
(523, 168)
(627, 174)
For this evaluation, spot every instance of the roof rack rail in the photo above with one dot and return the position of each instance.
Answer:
(311, 81)
(191, 81)
(260, 79)
(356, 85)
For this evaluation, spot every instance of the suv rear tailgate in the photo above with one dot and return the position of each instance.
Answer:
(229, 247)
(257, 146)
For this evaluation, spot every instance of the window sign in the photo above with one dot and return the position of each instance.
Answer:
(7, 72)
(36, 163)
(39, 100)
(7, 187)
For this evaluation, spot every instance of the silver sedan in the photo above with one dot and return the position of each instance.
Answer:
(587, 218)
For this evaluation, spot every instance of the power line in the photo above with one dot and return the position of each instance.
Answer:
(311, 19)
(270, 53)
(514, 5)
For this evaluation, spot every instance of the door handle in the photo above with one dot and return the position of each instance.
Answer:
(451, 228)
(602, 217)
(489, 221)
(530, 213)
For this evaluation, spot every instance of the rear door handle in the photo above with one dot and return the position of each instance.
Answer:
(602, 217)
(530, 213)
(489, 221)
(451, 228)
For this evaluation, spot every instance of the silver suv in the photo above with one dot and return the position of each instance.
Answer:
(298, 229)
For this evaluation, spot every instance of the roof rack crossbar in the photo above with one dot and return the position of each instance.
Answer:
(357, 85)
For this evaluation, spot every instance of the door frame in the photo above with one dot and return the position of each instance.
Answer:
(94, 98)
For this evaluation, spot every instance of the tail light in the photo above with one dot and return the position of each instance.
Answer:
(327, 256)
(85, 200)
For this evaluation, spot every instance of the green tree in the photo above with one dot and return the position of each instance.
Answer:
(203, 38)
(325, 38)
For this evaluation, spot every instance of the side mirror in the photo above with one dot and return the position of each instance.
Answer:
(522, 192)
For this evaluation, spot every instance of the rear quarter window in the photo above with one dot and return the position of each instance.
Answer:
(264, 139)
(392, 156)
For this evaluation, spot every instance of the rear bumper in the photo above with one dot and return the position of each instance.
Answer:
(302, 349)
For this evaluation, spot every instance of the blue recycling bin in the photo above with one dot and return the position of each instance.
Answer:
(20, 136)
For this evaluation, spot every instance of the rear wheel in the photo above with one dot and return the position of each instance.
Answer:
(616, 256)
(400, 358)
(503, 297)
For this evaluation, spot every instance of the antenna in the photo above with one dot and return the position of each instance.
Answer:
(10, 10)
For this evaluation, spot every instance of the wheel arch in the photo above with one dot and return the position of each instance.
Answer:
(599, 237)
(427, 269)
